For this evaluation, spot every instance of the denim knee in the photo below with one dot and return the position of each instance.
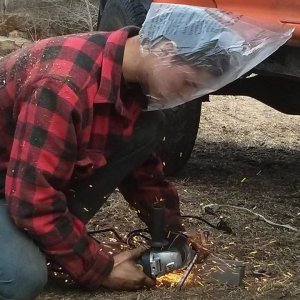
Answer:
(23, 269)
(23, 282)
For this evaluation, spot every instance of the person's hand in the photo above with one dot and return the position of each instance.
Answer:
(126, 274)
(199, 242)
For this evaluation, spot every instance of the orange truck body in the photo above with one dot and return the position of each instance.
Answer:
(271, 11)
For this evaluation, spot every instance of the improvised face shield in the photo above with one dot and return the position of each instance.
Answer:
(196, 50)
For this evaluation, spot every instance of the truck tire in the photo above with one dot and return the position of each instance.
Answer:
(183, 120)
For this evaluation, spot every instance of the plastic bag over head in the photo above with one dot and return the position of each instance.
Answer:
(195, 51)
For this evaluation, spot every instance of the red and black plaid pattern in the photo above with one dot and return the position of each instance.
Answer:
(61, 116)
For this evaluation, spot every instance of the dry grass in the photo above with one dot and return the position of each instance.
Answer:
(239, 138)
(50, 17)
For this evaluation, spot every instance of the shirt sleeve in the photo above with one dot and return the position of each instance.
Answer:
(41, 164)
(147, 185)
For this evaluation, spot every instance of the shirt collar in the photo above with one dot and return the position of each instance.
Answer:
(111, 69)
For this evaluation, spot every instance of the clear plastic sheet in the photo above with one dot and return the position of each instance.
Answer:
(195, 51)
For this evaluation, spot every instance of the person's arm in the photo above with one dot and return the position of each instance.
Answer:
(147, 185)
(41, 164)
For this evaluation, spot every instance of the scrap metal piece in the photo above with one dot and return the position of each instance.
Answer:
(261, 273)
(231, 272)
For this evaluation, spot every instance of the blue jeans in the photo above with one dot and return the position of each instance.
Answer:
(23, 270)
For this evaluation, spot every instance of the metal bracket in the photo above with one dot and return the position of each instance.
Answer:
(229, 272)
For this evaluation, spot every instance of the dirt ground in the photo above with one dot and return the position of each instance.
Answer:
(246, 155)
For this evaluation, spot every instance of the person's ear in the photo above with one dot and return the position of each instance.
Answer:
(167, 48)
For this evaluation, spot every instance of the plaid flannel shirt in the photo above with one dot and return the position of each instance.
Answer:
(61, 111)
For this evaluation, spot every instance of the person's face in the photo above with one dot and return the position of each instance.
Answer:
(169, 83)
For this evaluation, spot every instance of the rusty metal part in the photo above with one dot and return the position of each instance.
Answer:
(186, 273)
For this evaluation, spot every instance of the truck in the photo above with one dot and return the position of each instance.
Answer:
(275, 82)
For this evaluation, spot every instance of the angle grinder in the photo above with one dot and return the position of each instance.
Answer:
(168, 251)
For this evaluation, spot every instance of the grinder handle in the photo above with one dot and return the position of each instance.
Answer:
(158, 228)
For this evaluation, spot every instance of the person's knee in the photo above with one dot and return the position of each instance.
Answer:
(155, 126)
(24, 282)
(159, 123)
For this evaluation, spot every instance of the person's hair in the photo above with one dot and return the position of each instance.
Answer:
(209, 57)
(216, 63)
